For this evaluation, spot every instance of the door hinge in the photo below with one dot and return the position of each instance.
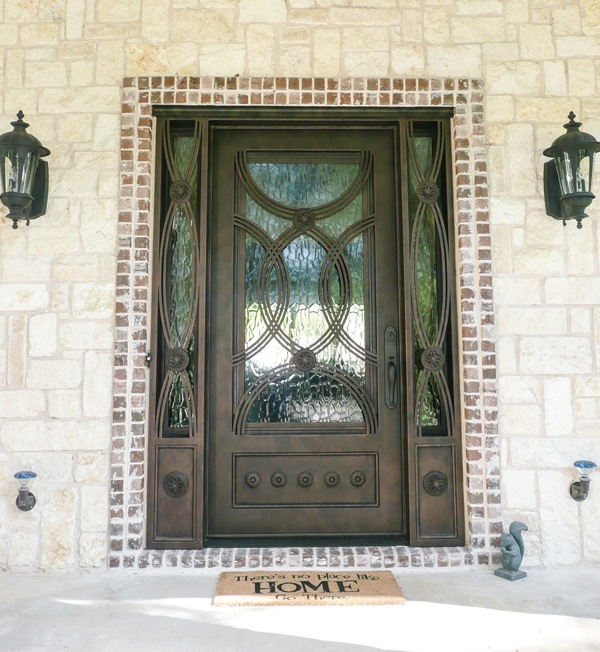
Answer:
(148, 359)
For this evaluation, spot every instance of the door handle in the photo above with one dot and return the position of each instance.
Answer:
(391, 362)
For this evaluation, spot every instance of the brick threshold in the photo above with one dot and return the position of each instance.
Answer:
(366, 557)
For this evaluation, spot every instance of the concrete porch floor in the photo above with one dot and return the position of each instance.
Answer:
(466, 611)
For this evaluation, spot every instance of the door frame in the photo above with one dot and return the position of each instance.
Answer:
(417, 446)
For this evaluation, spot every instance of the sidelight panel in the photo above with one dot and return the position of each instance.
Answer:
(178, 289)
(430, 289)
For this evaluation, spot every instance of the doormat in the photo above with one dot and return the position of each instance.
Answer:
(259, 589)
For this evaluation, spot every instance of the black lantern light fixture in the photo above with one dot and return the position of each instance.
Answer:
(568, 177)
(23, 175)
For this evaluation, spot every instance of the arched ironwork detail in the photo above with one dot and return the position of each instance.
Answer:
(336, 263)
(283, 371)
(288, 212)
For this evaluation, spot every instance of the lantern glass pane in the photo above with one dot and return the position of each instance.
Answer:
(581, 170)
(565, 173)
(587, 169)
(18, 170)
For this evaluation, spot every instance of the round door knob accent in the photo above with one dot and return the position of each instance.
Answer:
(305, 479)
(332, 479)
(252, 480)
(304, 219)
(278, 479)
(176, 484)
(432, 359)
(357, 478)
(179, 191)
(428, 192)
(435, 483)
(304, 359)
(177, 359)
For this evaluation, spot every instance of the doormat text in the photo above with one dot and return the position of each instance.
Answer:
(302, 588)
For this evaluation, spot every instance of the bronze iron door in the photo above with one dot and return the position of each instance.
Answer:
(304, 368)
(304, 434)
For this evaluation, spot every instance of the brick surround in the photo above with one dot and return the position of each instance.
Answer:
(128, 454)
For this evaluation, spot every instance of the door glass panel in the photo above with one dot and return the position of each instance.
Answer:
(305, 397)
(304, 293)
(303, 185)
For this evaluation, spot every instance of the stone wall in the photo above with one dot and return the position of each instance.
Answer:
(63, 63)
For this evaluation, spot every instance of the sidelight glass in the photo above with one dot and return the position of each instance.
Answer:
(429, 255)
(181, 283)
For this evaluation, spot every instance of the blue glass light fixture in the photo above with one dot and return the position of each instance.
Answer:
(580, 488)
(25, 499)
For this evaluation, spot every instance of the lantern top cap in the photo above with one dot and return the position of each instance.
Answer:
(573, 139)
(19, 137)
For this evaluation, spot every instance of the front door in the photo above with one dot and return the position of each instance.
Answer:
(304, 435)
(304, 382)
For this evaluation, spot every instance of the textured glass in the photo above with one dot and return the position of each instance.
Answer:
(182, 260)
(177, 413)
(426, 289)
(303, 185)
(338, 223)
(315, 300)
(431, 409)
(183, 150)
(177, 408)
(305, 321)
(268, 222)
(255, 324)
(426, 277)
(305, 397)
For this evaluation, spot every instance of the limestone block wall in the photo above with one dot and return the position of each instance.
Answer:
(63, 63)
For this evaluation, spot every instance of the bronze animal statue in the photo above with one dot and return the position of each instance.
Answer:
(513, 549)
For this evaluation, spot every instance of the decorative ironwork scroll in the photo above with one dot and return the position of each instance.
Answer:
(430, 286)
(178, 294)
(308, 351)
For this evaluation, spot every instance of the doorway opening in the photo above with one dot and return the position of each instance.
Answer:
(305, 385)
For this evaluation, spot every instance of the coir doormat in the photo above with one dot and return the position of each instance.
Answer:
(260, 589)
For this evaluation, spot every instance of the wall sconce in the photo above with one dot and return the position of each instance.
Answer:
(25, 499)
(568, 178)
(23, 175)
(580, 488)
